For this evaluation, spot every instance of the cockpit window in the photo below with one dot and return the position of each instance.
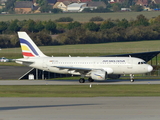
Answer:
(141, 62)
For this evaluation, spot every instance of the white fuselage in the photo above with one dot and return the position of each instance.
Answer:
(112, 65)
(96, 68)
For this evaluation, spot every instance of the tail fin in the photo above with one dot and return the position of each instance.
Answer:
(29, 48)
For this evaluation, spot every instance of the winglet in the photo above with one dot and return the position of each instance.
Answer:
(29, 48)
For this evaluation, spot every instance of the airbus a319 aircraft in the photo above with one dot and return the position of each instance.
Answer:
(95, 68)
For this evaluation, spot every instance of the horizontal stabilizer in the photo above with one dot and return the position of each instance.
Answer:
(24, 62)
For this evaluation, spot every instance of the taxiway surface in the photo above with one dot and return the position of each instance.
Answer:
(74, 82)
(93, 108)
(78, 108)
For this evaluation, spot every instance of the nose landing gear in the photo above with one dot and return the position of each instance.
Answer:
(132, 77)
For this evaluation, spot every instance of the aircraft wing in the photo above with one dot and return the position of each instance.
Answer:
(85, 70)
(74, 68)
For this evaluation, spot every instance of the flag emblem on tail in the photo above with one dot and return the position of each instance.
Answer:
(27, 49)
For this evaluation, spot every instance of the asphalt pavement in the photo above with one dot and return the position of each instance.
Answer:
(79, 108)
(12, 72)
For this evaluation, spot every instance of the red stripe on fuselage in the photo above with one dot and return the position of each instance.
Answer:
(28, 54)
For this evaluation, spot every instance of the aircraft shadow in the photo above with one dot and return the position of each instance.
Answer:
(40, 106)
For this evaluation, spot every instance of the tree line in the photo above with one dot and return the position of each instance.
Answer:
(96, 30)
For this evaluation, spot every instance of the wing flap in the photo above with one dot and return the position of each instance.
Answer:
(84, 70)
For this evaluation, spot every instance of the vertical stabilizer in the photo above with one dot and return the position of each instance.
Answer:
(29, 48)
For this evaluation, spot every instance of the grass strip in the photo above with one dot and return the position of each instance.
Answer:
(80, 91)
(81, 17)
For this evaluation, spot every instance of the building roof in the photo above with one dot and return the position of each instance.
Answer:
(51, 1)
(116, 1)
(157, 1)
(55, 5)
(69, 0)
(35, 7)
(34, 1)
(76, 4)
(142, 2)
(96, 4)
(23, 4)
(66, 3)
(3, 1)
(85, 0)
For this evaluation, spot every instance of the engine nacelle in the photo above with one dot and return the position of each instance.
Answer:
(114, 76)
(99, 75)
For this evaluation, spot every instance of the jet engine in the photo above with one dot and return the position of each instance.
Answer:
(99, 75)
(114, 76)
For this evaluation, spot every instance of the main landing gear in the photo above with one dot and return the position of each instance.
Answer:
(82, 80)
(90, 79)
(132, 77)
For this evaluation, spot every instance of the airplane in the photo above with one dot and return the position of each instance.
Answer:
(95, 68)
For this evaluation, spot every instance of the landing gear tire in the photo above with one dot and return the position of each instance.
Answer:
(132, 77)
(90, 79)
(81, 80)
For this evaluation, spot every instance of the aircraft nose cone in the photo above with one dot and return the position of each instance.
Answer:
(150, 68)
